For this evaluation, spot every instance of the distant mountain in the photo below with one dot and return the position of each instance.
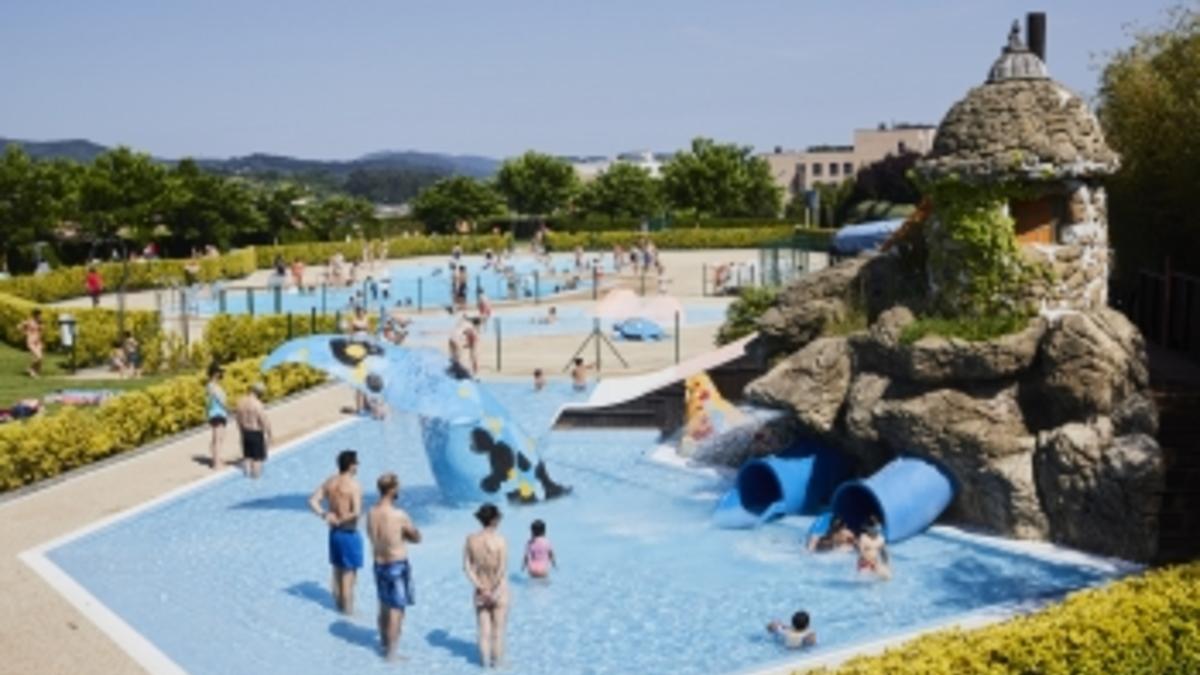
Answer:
(260, 163)
(77, 149)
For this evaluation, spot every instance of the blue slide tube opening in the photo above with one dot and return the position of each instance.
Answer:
(907, 495)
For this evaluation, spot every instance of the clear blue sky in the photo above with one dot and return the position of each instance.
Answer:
(339, 78)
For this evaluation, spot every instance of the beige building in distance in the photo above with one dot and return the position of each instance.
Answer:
(798, 171)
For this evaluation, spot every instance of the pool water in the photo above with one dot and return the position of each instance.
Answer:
(232, 577)
(413, 285)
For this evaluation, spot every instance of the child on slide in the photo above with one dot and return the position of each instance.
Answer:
(539, 554)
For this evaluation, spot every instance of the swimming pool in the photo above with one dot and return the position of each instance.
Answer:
(423, 285)
(232, 577)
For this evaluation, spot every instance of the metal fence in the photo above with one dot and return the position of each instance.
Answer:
(1165, 306)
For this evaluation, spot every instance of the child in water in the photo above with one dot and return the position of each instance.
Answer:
(872, 551)
(796, 636)
(539, 554)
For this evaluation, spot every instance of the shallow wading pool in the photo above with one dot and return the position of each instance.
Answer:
(232, 576)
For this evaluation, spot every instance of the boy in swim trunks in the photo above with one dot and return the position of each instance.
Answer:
(344, 498)
(796, 636)
(255, 426)
(389, 529)
(539, 554)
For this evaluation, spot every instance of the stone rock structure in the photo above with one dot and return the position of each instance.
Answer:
(1020, 128)
(1048, 430)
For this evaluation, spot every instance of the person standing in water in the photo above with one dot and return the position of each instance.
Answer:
(485, 562)
(343, 496)
(218, 412)
(390, 528)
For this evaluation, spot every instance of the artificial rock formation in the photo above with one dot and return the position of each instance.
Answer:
(1048, 431)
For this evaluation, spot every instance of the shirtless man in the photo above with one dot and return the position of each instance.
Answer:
(872, 551)
(344, 498)
(252, 419)
(389, 529)
(485, 559)
(579, 374)
(32, 328)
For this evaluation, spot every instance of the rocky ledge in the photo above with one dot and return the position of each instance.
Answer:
(1049, 431)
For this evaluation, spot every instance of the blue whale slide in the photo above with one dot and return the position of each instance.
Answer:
(907, 495)
(770, 487)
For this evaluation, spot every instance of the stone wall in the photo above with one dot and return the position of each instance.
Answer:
(1049, 431)
(1079, 262)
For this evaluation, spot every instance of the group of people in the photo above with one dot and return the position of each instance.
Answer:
(250, 413)
(338, 501)
(869, 543)
(125, 359)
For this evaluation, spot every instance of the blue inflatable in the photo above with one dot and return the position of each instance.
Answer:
(907, 495)
(476, 449)
(771, 487)
(638, 329)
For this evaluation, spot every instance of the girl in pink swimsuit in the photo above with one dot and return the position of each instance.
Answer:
(539, 554)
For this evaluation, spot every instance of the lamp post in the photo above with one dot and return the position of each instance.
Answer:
(66, 336)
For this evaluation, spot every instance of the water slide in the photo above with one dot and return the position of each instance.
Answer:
(477, 451)
(798, 481)
(907, 495)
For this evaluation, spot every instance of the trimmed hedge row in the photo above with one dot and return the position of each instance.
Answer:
(229, 337)
(68, 282)
(95, 329)
(1144, 624)
(318, 253)
(525, 226)
(673, 239)
(48, 445)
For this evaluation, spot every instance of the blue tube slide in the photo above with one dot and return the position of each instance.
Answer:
(771, 487)
(907, 494)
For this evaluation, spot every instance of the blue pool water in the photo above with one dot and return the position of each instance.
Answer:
(424, 285)
(232, 577)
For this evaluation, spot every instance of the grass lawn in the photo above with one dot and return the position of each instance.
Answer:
(16, 385)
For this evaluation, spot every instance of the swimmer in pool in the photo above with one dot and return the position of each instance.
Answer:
(539, 379)
(539, 554)
(839, 537)
(579, 374)
(796, 636)
(872, 551)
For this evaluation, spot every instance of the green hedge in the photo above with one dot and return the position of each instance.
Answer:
(318, 253)
(229, 337)
(95, 329)
(524, 227)
(1144, 624)
(673, 239)
(68, 282)
(51, 444)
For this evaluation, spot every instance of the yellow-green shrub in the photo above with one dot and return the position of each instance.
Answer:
(319, 252)
(50, 444)
(238, 336)
(685, 238)
(1144, 624)
(68, 282)
(95, 329)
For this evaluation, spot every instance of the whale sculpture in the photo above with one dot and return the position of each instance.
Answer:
(476, 449)
(707, 414)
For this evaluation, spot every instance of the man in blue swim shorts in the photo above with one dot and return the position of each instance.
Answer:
(390, 528)
(343, 496)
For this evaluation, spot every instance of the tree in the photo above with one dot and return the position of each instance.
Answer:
(34, 199)
(887, 180)
(200, 207)
(537, 184)
(721, 179)
(450, 200)
(622, 190)
(389, 186)
(122, 193)
(282, 209)
(1150, 110)
(339, 217)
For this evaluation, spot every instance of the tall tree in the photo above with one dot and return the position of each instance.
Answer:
(450, 200)
(339, 216)
(34, 199)
(887, 180)
(622, 190)
(537, 184)
(200, 207)
(122, 192)
(282, 207)
(1150, 109)
(721, 179)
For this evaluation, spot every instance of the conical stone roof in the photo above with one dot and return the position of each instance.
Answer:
(1020, 124)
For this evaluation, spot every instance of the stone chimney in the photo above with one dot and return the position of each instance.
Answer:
(1035, 33)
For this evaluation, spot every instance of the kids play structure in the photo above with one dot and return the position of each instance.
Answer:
(477, 451)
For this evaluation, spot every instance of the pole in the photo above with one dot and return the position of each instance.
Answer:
(250, 300)
(312, 321)
(420, 293)
(221, 301)
(677, 336)
(498, 341)
(596, 334)
(278, 299)
(291, 332)
(704, 280)
(536, 286)
(595, 282)
(324, 308)
(183, 317)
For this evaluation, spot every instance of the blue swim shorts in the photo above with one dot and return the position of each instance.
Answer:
(393, 582)
(345, 548)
